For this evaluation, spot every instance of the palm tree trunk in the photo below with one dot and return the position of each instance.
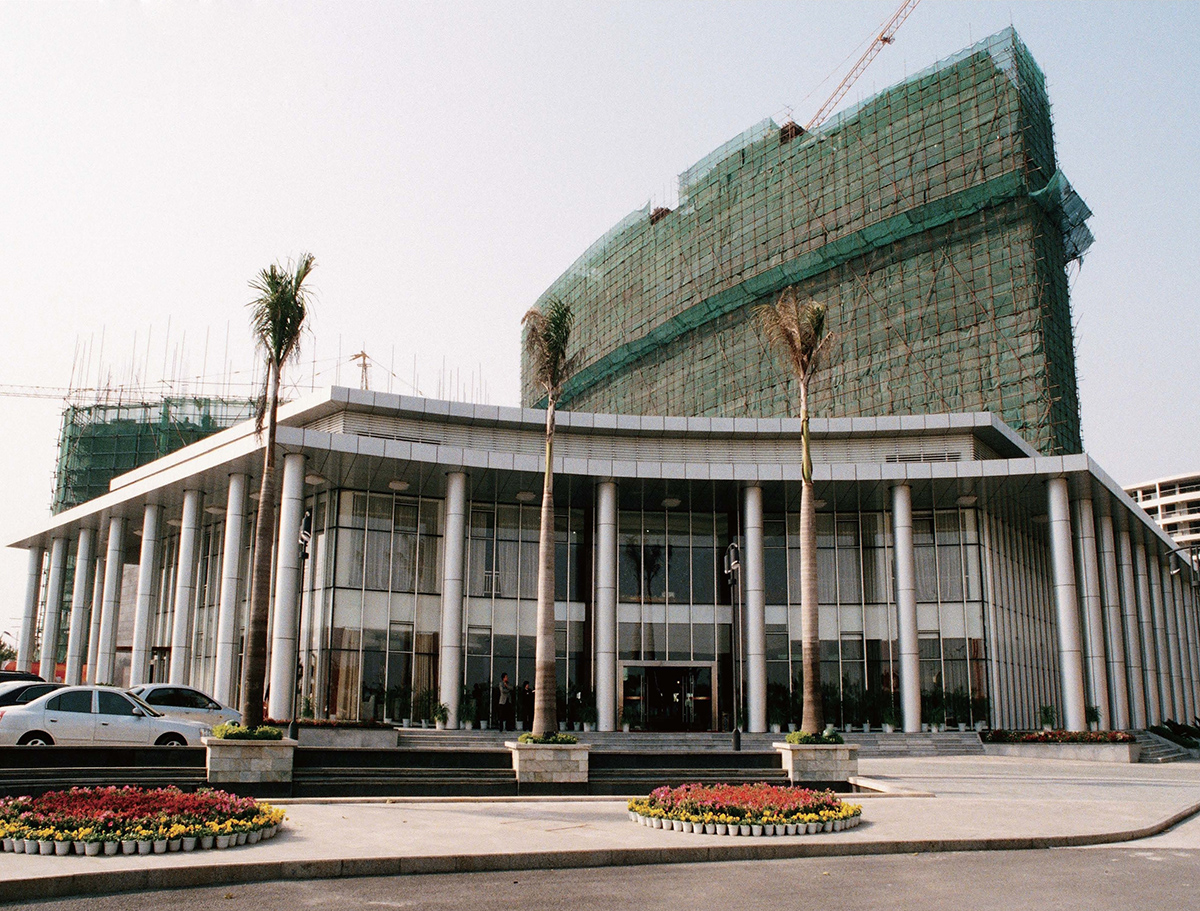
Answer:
(254, 651)
(545, 704)
(810, 719)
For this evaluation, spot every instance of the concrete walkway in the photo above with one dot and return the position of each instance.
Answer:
(972, 803)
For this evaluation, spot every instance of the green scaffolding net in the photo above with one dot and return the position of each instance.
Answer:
(931, 219)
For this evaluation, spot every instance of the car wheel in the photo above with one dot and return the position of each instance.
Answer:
(171, 740)
(36, 739)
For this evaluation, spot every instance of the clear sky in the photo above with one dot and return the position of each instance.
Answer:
(445, 162)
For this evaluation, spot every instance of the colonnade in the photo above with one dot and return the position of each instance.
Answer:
(1127, 636)
(91, 647)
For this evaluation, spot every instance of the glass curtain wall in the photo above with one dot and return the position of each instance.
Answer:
(501, 622)
(208, 601)
(376, 629)
(1025, 660)
(674, 606)
(859, 647)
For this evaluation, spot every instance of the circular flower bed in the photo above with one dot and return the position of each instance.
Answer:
(756, 809)
(133, 820)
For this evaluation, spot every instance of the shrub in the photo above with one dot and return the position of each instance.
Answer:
(1174, 736)
(231, 731)
(825, 737)
(560, 738)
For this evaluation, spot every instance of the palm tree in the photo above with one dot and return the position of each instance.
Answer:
(797, 332)
(547, 331)
(277, 320)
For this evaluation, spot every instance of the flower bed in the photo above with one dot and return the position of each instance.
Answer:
(999, 736)
(756, 809)
(132, 820)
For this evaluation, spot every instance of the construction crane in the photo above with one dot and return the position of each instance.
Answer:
(884, 38)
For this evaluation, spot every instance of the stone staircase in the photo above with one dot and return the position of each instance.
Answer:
(1159, 749)
(35, 770)
(458, 771)
(873, 744)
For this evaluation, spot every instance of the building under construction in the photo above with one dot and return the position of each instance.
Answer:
(104, 439)
(930, 219)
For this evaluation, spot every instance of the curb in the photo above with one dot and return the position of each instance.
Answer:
(109, 882)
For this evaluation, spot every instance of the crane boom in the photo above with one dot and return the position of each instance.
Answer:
(884, 38)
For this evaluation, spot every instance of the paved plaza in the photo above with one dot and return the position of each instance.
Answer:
(932, 805)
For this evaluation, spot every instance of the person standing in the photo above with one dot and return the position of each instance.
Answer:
(527, 705)
(507, 716)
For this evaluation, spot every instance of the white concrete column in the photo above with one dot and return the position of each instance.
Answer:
(93, 648)
(185, 589)
(33, 592)
(55, 581)
(1066, 602)
(1189, 615)
(231, 582)
(906, 608)
(606, 606)
(450, 678)
(1119, 688)
(143, 611)
(76, 646)
(285, 631)
(1184, 687)
(1089, 568)
(114, 567)
(756, 611)
(1138, 710)
(1146, 622)
(1169, 655)
(1162, 649)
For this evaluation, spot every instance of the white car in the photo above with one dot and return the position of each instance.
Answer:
(186, 702)
(94, 716)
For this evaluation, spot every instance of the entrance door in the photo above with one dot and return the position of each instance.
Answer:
(668, 697)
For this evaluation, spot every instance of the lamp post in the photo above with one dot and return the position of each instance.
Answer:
(733, 570)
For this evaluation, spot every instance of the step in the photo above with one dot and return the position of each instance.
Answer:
(874, 743)
(1157, 749)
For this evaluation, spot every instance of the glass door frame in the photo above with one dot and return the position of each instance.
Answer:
(699, 665)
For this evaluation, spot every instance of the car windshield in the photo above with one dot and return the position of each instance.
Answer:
(141, 704)
(9, 685)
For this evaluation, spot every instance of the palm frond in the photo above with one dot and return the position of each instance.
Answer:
(796, 331)
(278, 313)
(547, 335)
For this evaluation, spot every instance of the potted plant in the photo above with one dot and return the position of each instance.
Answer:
(466, 709)
(1091, 714)
(441, 714)
(623, 718)
(1046, 716)
(937, 718)
(960, 705)
(588, 713)
(888, 713)
(980, 711)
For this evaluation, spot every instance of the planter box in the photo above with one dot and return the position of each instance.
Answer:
(248, 761)
(347, 738)
(549, 762)
(1092, 752)
(818, 762)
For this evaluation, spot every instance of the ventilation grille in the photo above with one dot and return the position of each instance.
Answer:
(948, 447)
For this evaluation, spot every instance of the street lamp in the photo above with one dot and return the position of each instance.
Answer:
(733, 570)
